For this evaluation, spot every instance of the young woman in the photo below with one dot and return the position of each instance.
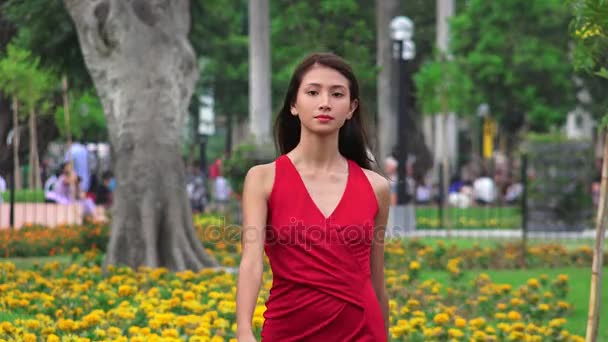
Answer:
(319, 212)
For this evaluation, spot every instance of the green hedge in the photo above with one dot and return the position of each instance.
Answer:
(25, 195)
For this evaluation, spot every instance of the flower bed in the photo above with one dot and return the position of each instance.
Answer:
(81, 303)
(38, 240)
(223, 242)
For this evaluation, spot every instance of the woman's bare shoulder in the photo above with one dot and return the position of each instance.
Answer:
(260, 178)
(379, 183)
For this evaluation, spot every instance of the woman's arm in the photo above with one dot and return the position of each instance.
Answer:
(382, 190)
(249, 281)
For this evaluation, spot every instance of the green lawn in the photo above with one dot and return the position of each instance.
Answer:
(578, 296)
(492, 242)
(29, 263)
(469, 218)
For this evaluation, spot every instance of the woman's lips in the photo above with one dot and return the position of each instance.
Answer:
(324, 118)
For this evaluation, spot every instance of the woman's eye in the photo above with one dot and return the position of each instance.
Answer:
(338, 94)
(312, 92)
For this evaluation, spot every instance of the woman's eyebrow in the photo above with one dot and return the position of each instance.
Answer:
(320, 85)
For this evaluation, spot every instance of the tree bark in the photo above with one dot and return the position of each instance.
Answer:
(15, 143)
(387, 82)
(35, 182)
(144, 69)
(260, 112)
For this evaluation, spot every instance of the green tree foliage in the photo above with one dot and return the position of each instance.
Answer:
(45, 29)
(219, 36)
(22, 76)
(589, 29)
(444, 85)
(345, 27)
(517, 51)
(87, 119)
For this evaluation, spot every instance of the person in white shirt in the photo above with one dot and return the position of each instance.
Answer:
(221, 192)
(484, 190)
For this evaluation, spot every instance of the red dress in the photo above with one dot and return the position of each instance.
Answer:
(322, 289)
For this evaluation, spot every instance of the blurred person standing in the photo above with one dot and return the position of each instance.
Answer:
(79, 156)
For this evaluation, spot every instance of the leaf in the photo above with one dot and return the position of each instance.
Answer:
(603, 73)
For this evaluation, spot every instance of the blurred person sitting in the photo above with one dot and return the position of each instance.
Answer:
(63, 190)
(87, 204)
(484, 190)
(424, 192)
(103, 191)
(513, 192)
(455, 184)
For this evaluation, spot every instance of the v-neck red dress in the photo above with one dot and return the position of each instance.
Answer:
(322, 289)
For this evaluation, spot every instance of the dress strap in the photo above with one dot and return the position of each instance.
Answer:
(361, 182)
(280, 176)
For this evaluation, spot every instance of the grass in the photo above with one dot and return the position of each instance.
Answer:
(578, 296)
(469, 218)
(32, 262)
(10, 317)
(492, 242)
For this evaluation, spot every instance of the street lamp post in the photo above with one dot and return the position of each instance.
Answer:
(404, 50)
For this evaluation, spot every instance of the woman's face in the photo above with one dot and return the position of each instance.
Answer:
(323, 101)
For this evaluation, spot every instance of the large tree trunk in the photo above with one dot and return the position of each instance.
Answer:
(144, 69)
(387, 82)
(260, 111)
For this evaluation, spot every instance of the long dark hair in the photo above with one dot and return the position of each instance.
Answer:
(352, 139)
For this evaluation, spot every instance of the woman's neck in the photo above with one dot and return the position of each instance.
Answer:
(317, 152)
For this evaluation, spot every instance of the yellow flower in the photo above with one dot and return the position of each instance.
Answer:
(258, 321)
(441, 318)
(460, 322)
(514, 316)
(477, 323)
(170, 333)
(534, 283)
(455, 333)
(413, 303)
(126, 290)
(114, 332)
(516, 336)
(52, 338)
(66, 325)
(414, 265)
(500, 315)
(28, 337)
(557, 322)
(32, 324)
